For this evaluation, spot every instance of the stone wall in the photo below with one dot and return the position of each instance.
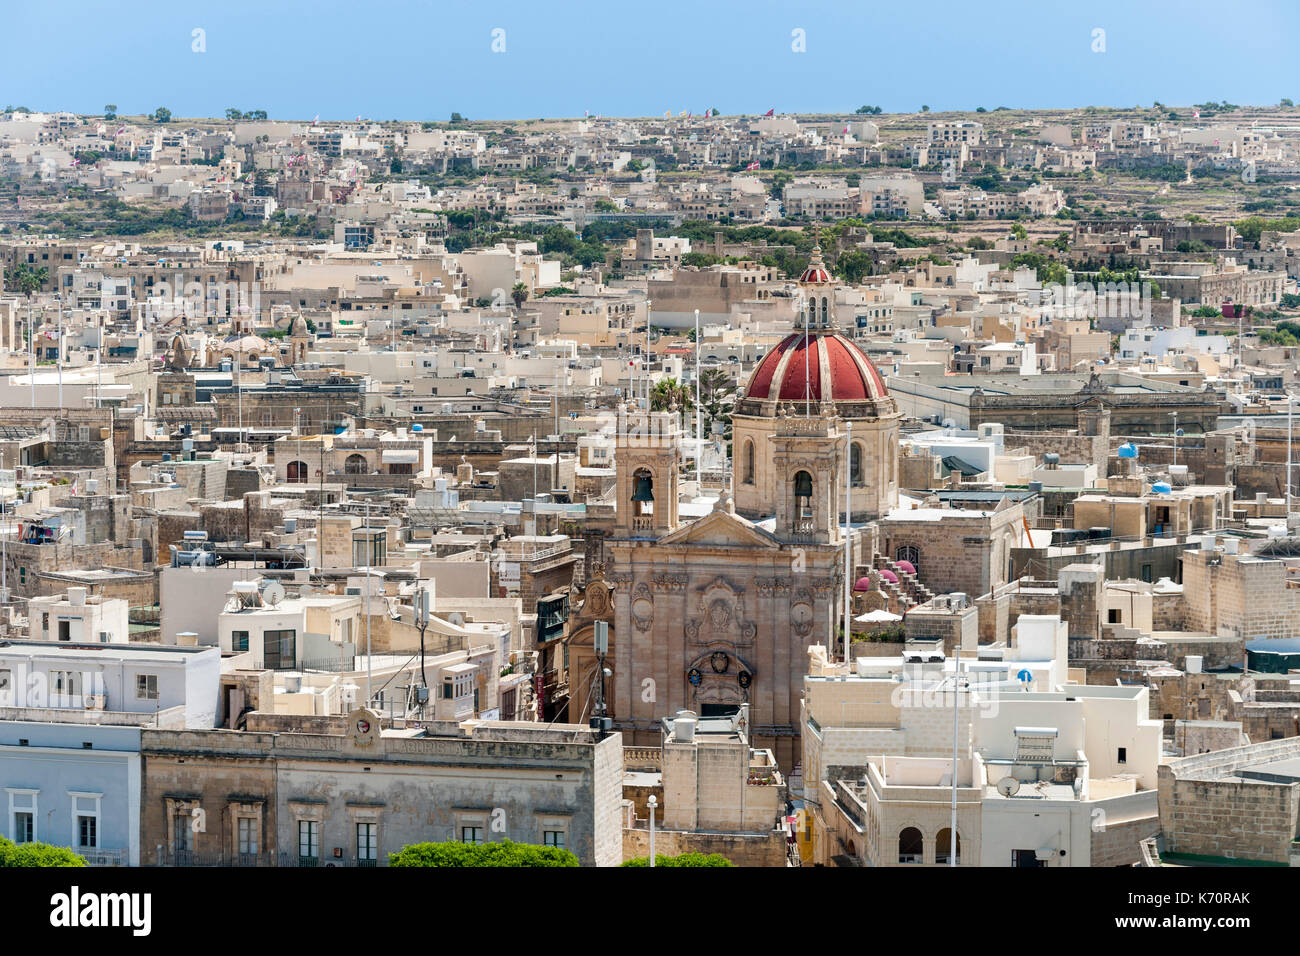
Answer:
(742, 849)
(1204, 811)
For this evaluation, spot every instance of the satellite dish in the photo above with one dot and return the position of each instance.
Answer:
(1008, 786)
(273, 593)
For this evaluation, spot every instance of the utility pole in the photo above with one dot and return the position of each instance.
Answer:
(59, 299)
(600, 723)
(848, 542)
(422, 602)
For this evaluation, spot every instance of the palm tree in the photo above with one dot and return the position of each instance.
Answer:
(23, 278)
(668, 393)
(519, 293)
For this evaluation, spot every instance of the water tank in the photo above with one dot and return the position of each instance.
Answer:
(187, 444)
(1161, 488)
(1035, 486)
(1193, 663)
(92, 486)
(290, 525)
(417, 428)
(1128, 450)
(1207, 542)
(292, 682)
(1230, 545)
(1276, 531)
(1051, 458)
(77, 596)
(684, 726)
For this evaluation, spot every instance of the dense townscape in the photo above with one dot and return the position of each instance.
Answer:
(858, 490)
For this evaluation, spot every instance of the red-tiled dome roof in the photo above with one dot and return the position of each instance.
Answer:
(828, 360)
(815, 273)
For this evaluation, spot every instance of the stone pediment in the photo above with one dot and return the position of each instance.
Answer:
(721, 529)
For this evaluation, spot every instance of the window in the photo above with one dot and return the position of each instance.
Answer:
(64, 684)
(367, 843)
(246, 832)
(910, 554)
(87, 835)
(855, 465)
(24, 827)
(553, 838)
(1025, 858)
(308, 842)
(1123, 755)
(355, 465)
(749, 462)
(1146, 572)
(1113, 616)
(278, 649)
(182, 833)
(146, 686)
(471, 834)
(911, 846)
(239, 640)
(296, 472)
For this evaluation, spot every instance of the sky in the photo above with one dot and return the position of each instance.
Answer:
(409, 60)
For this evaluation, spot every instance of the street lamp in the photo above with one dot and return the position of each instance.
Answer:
(653, 803)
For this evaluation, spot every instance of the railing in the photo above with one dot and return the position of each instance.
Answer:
(646, 523)
(190, 858)
(98, 856)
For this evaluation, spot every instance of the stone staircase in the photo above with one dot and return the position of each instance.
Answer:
(907, 593)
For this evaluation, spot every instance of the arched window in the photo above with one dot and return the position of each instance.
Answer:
(855, 465)
(911, 554)
(749, 462)
(356, 465)
(803, 492)
(296, 473)
(826, 315)
(942, 845)
(911, 846)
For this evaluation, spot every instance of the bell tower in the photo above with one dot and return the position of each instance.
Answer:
(808, 459)
(647, 460)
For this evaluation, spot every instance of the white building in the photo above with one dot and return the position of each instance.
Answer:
(78, 619)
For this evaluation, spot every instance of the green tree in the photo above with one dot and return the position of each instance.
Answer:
(1286, 101)
(37, 854)
(669, 392)
(682, 859)
(924, 108)
(26, 280)
(110, 111)
(1019, 232)
(457, 118)
(853, 266)
(234, 114)
(162, 115)
(498, 853)
(519, 292)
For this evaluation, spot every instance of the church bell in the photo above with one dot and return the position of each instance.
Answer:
(643, 489)
(803, 485)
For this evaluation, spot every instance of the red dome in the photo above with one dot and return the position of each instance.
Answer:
(826, 359)
(815, 273)
(863, 584)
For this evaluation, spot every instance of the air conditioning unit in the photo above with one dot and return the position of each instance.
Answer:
(94, 701)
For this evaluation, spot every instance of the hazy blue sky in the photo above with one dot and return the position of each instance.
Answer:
(387, 59)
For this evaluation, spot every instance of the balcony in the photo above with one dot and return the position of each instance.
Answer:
(643, 523)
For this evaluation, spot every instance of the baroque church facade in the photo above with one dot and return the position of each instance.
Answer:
(721, 611)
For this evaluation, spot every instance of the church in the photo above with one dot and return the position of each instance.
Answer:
(721, 611)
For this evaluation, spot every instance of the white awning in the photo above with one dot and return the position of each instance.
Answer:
(400, 456)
